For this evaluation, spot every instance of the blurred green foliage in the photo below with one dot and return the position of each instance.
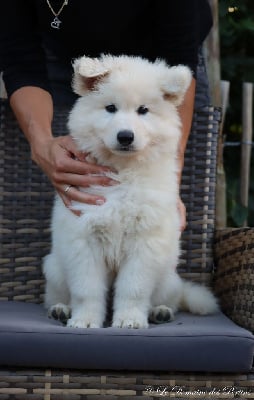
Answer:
(236, 22)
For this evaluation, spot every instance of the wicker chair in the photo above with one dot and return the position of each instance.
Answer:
(26, 199)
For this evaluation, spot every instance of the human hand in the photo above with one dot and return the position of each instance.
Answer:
(67, 169)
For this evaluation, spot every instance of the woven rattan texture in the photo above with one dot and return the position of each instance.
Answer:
(234, 284)
(63, 385)
(26, 201)
(198, 192)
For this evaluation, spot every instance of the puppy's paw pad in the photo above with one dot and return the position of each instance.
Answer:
(161, 314)
(60, 312)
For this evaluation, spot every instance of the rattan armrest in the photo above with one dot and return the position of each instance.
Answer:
(234, 277)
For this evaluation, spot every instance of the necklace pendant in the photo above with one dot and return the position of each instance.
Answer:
(56, 23)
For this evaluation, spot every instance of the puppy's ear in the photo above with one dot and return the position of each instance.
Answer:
(176, 83)
(87, 73)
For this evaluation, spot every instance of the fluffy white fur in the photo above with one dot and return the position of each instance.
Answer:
(132, 240)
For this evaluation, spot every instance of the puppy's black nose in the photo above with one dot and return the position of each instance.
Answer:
(125, 138)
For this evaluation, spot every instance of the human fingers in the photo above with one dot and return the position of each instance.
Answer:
(84, 181)
(71, 193)
(70, 172)
(68, 144)
(75, 173)
(67, 158)
(57, 159)
(62, 168)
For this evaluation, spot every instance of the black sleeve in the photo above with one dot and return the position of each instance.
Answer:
(22, 58)
(179, 30)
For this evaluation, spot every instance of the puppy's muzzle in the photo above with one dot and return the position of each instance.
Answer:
(125, 139)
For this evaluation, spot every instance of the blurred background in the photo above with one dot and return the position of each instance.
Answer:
(230, 56)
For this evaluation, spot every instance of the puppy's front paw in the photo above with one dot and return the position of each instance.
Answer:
(83, 323)
(133, 319)
(60, 312)
(161, 314)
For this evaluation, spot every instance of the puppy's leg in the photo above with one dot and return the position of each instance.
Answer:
(166, 298)
(88, 287)
(57, 295)
(133, 289)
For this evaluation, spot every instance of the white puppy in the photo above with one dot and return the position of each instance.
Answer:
(127, 119)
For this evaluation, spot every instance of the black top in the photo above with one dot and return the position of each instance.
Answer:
(168, 29)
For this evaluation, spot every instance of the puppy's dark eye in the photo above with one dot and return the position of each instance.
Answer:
(111, 108)
(142, 110)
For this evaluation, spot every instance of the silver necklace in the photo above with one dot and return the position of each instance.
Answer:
(56, 21)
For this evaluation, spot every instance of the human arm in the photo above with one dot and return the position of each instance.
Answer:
(57, 157)
(186, 114)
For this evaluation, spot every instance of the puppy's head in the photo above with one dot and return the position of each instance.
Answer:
(128, 106)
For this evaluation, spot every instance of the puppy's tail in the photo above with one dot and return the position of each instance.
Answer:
(198, 299)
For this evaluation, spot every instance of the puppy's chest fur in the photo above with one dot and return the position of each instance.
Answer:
(129, 208)
(133, 209)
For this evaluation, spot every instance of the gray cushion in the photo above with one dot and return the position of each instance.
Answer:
(190, 343)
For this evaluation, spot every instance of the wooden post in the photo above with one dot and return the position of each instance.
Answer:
(212, 53)
(246, 146)
(221, 186)
(225, 86)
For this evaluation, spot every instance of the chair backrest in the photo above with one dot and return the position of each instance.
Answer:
(26, 200)
(198, 191)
